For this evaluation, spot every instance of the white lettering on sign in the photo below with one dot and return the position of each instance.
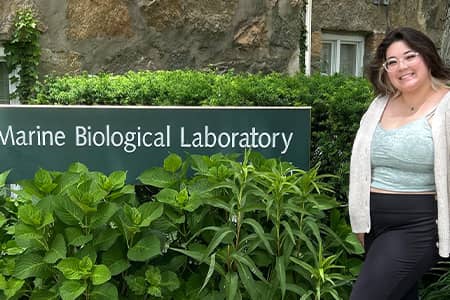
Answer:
(252, 139)
(86, 136)
(131, 140)
(34, 137)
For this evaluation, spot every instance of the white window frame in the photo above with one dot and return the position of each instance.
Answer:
(12, 87)
(336, 40)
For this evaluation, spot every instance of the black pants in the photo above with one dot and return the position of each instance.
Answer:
(400, 247)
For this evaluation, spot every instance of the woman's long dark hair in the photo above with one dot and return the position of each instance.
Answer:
(417, 41)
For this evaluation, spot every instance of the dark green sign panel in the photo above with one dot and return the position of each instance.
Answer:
(135, 138)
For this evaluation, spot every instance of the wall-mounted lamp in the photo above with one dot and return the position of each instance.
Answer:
(380, 2)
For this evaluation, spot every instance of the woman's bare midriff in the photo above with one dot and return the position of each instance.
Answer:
(375, 190)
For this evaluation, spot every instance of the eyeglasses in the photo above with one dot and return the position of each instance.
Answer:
(393, 63)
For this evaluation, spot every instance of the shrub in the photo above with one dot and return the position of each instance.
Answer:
(248, 228)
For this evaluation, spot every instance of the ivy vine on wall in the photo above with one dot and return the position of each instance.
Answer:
(23, 54)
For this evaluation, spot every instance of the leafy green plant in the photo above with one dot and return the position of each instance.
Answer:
(23, 53)
(265, 240)
(215, 227)
(435, 285)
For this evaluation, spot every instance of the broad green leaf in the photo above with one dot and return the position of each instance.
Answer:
(75, 236)
(33, 216)
(87, 250)
(182, 197)
(71, 290)
(115, 260)
(3, 282)
(65, 181)
(29, 237)
(168, 196)
(70, 267)
(196, 199)
(3, 177)
(154, 291)
(150, 211)
(132, 214)
(44, 295)
(57, 250)
(107, 291)
(127, 189)
(136, 284)
(105, 238)
(11, 248)
(172, 163)
(69, 213)
(78, 167)
(8, 265)
(2, 219)
(87, 196)
(117, 179)
(153, 275)
(48, 203)
(31, 265)
(146, 248)
(105, 211)
(158, 177)
(174, 216)
(86, 264)
(43, 181)
(100, 274)
(11, 286)
(170, 280)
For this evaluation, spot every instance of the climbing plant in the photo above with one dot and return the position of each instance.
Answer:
(23, 55)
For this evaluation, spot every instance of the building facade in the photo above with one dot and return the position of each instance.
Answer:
(345, 33)
(241, 35)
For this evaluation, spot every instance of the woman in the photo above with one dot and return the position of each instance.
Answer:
(398, 196)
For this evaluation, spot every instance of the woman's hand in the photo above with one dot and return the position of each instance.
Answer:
(360, 237)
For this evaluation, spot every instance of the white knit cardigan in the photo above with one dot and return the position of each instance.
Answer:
(360, 169)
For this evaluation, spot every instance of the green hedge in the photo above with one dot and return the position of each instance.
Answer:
(337, 101)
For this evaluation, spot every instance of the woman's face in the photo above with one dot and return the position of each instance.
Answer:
(407, 69)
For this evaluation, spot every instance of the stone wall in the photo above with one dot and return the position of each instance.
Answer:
(243, 35)
(121, 35)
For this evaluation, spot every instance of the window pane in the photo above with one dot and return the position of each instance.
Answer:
(325, 58)
(4, 83)
(348, 59)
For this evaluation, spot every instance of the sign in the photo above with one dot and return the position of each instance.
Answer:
(135, 138)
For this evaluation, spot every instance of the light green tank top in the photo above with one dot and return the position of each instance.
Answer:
(403, 158)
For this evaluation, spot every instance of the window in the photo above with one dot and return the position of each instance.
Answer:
(4, 78)
(342, 54)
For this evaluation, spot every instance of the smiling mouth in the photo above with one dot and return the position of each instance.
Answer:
(406, 76)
